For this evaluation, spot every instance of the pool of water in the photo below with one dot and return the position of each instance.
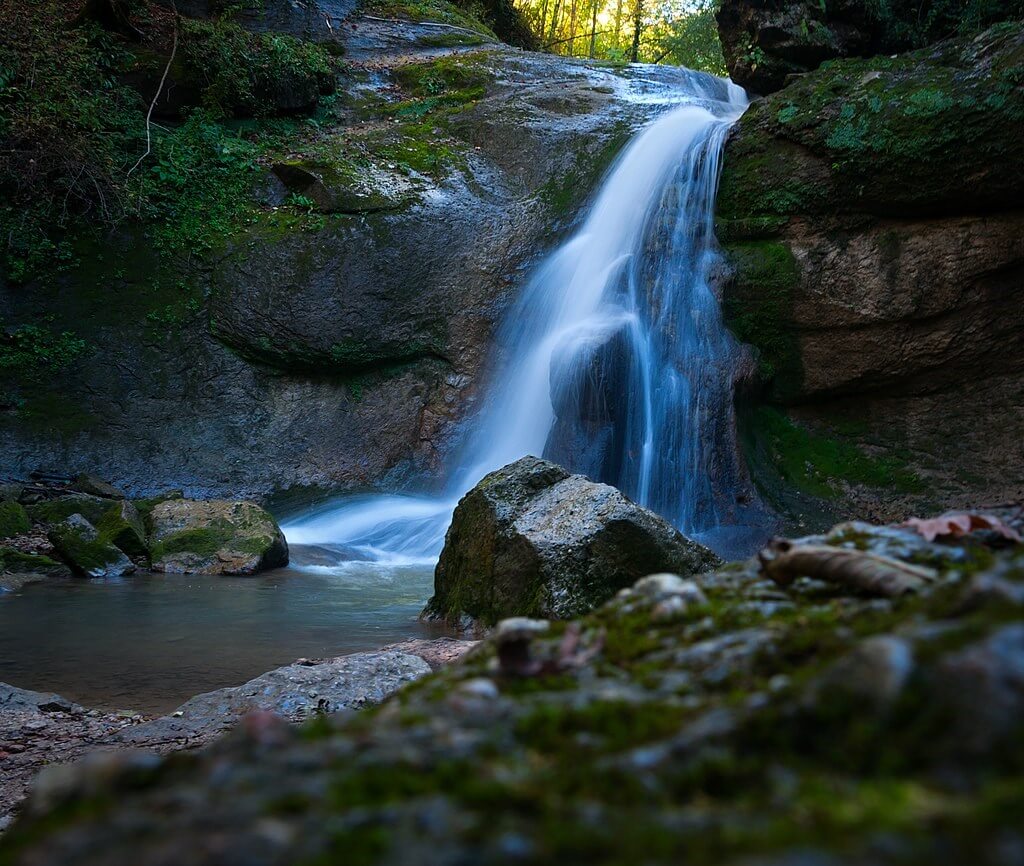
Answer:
(149, 642)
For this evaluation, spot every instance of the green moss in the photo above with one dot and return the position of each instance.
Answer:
(208, 541)
(757, 306)
(817, 464)
(57, 510)
(14, 561)
(565, 193)
(13, 519)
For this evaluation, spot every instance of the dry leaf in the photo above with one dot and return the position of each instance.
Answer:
(956, 525)
(783, 562)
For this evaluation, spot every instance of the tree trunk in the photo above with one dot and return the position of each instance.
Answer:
(554, 21)
(593, 28)
(572, 28)
(637, 26)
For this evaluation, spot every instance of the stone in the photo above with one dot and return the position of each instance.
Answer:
(14, 561)
(86, 550)
(665, 585)
(296, 692)
(14, 698)
(122, 525)
(214, 537)
(96, 486)
(532, 540)
(56, 509)
(981, 691)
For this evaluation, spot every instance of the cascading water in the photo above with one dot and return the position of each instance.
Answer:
(615, 361)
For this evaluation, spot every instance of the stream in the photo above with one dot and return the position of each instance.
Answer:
(151, 641)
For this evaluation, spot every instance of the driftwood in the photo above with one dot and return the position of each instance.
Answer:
(783, 562)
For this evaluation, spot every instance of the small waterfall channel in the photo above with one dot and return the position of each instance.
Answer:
(615, 361)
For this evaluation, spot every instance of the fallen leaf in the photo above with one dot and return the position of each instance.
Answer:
(959, 524)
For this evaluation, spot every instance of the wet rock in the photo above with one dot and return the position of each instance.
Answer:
(295, 691)
(531, 539)
(96, 486)
(88, 551)
(331, 192)
(214, 537)
(13, 698)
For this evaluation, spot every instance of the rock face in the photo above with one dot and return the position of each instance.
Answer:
(330, 349)
(214, 537)
(297, 691)
(713, 737)
(872, 217)
(533, 540)
(764, 41)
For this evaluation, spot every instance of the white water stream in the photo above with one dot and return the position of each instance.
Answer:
(617, 362)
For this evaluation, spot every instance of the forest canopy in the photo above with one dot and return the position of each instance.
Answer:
(680, 32)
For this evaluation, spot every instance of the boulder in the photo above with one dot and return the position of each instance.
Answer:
(60, 508)
(533, 540)
(214, 537)
(295, 691)
(14, 561)
(87, 550)
(96, 486)
(122, 525)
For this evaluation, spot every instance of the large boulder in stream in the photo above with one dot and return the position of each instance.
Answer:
(88, 550)
(215, 537)
(533, 540)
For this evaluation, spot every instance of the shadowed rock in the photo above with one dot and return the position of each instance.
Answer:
(533, 540)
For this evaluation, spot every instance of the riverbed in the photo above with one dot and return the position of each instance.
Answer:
(149, 642)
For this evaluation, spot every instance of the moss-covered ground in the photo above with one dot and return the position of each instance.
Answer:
(735, 728)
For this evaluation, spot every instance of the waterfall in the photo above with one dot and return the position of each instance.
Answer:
(614, 361)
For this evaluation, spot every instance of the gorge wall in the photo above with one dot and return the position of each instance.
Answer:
(872, 213)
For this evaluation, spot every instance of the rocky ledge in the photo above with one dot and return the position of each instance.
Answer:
(46, 732)
(850, 698)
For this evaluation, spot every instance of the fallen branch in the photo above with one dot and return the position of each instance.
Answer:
(783, 562)
(159, 90)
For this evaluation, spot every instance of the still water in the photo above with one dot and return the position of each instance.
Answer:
(149, 642)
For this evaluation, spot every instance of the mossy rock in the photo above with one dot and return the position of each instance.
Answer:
(931, 130)
(122, 525)
(13, 561)
(215, 537)
(532, 540)
(87, 550)
(92, 508)
(13, 520)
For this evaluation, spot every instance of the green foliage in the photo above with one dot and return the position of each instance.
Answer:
(240, 72)
(685, 37)
(72, 129)
(68, 129)
(32, 349)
